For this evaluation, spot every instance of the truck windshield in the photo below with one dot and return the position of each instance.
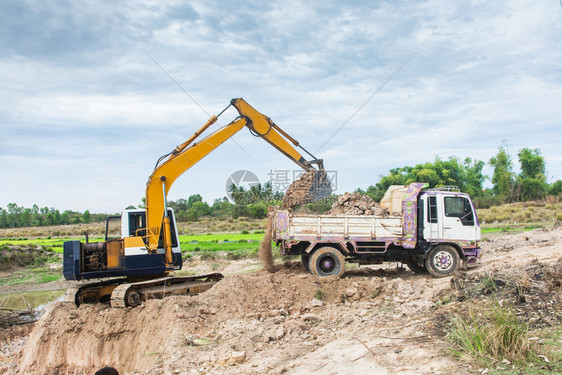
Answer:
(459, 207)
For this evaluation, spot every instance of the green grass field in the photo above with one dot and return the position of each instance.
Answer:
(188, 243)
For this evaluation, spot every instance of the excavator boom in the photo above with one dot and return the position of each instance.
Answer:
(190, 152)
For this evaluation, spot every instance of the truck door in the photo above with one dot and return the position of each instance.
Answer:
(432, 229)
(459, 220)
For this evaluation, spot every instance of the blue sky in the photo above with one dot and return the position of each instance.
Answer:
(85, 112)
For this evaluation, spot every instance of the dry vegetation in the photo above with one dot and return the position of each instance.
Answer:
(546, 213)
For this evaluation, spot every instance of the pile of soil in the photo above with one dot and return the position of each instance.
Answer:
(356, 204)
(258, 314)
(306, 189)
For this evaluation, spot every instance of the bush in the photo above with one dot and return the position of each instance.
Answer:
(497, 335)
(556, 188)
(245, 232)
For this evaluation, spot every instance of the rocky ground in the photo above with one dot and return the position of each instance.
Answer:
(376, 320)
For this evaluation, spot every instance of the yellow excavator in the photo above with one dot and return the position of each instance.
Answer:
(137, 266)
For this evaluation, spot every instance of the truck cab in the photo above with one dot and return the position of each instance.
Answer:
(447, 215)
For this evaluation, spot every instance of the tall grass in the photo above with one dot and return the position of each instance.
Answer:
(490, 335)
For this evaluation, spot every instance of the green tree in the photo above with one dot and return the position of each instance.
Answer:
(503, 177)
(86, 217)
(179, 205)
(532, 164)
(466, 175)
(3, 218)
(192, 199)
(531, 182)
(64, 218)
(474, 177)
(257, 210)
(556, 188)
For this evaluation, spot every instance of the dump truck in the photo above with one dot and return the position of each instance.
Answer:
(430, 230)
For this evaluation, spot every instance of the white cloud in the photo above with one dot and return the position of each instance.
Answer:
(87, 113)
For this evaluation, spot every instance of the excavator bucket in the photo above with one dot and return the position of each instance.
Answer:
(320, 187)
(311, 186)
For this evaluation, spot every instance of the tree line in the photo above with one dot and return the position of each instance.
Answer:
(466, 174)
(15, 216)
(507, 186)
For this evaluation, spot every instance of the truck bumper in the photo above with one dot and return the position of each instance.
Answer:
(472, 257)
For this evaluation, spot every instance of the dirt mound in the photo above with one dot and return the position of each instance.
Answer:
(239, 313)
(310, 186)
(356, 204)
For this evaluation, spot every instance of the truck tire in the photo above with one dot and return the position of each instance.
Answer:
(442, 260)
(304, 260)
(327, 261)
(415, 267)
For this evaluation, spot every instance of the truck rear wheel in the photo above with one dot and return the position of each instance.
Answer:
(326, 261)
(442, 260)
(415, 267)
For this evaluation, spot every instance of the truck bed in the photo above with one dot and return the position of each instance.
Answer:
(353, 227)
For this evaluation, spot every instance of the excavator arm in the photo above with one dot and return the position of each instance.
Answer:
(184, 156)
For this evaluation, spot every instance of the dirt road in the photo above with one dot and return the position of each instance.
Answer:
(379, 320)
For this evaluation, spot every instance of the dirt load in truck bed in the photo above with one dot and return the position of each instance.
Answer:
(356, 204)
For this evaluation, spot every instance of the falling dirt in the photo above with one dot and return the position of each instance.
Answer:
(311, 186)
(356, 204)
(376, 319)
(266, 253)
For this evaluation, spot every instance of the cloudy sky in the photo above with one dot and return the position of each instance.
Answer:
(85, 112)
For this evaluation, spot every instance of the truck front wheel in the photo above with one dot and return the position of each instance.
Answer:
(327, 261)
(442, 261)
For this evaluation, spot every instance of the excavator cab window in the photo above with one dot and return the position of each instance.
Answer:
(137, 220)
